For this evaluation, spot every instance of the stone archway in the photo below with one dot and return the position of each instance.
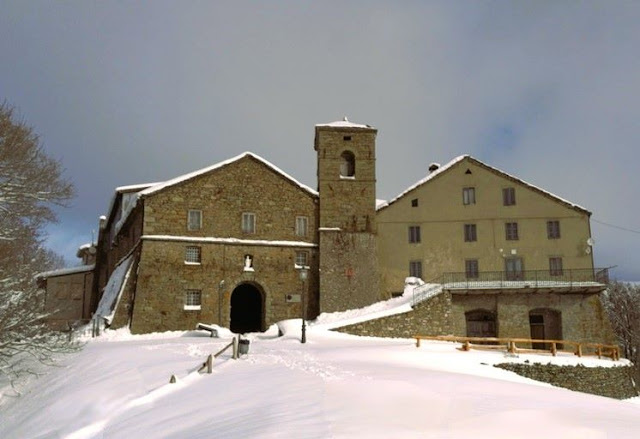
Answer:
(247, 309)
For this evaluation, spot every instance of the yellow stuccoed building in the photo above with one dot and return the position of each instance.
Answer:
(467, 217)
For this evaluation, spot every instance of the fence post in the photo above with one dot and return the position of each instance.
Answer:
(210, 364)
(235, 347)
(554, 349)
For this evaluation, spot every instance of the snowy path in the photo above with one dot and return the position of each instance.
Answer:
(335, 386)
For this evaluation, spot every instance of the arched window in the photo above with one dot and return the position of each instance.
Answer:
(347, 164)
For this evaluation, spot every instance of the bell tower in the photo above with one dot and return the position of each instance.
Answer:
(347, 215)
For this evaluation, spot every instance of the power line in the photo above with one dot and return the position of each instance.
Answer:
(615, 227)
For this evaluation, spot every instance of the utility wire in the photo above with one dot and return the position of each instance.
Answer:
(615, 227)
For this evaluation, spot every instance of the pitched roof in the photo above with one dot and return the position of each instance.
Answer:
(497, 171)
(161, 186)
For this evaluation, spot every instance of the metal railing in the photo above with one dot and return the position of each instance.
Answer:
(527, 279)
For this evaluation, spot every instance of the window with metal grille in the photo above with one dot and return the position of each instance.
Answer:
(553, 229)
(414, 234)
(415, 269)
(193, 300)
(470, 233)
(302, 223)
(511, 231)
(471, 268)
(509, 196)
(248, 222)
(468, 195)
(555, 266)
(194, 220)
(302, 259)
(192, 255)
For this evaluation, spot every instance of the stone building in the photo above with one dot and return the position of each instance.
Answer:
(70, 298)
(227, 244)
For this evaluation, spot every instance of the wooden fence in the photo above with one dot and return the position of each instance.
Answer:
(543, 346)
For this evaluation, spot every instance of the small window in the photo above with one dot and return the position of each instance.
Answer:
(509, 196)
(414, 202)
(194, 220)
(302, 225)
(192, 255)
(470, 233)
(415, 269)
(302, 259)
(553, 229)
(346, 138)
(511, 231)
(414, 234)
(468, 195)
(471, 268)
(555, 266)
(193, 300)
(347, 164)
(248, 222)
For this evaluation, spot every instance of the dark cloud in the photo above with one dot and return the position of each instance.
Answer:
(129, 92)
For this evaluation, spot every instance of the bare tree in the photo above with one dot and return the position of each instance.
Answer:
(30, 184)
(622, 302)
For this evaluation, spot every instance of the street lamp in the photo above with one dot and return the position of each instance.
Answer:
(304, 272)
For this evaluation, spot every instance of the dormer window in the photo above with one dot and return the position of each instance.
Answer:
(347, 164)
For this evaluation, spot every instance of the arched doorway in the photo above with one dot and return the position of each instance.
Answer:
(481, 323)
(247, 309)
(546, 324)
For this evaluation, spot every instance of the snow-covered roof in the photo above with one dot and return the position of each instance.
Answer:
(113, 290)
(126, 189)
(344, 123)
(65, 271)
(160, 186)
(438, 171)
(459, 159)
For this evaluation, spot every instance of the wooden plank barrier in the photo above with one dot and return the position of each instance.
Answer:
(510, 345)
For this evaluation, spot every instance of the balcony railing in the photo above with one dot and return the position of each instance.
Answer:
(527, 279)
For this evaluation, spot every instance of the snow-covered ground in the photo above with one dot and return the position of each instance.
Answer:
(334, 386)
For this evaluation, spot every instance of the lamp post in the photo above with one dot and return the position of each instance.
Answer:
(303, 277)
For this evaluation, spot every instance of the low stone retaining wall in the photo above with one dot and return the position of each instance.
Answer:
(613, 382)
(429, 317)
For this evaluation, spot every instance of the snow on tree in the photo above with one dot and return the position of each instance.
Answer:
(31, 183)
(622, 302)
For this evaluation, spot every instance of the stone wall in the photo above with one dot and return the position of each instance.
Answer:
(431, 317)
(164, 277)
(613, 382)
(68, 299)
(348, 270)
(582, 315)
(445, 315)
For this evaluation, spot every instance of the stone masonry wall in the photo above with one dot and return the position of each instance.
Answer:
(163, 279)
(431, 317)
(348, 270)
(612, 382)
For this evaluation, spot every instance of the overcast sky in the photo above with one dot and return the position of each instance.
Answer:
(134, 92)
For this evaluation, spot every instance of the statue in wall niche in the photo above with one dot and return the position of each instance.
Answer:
(248, 263)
